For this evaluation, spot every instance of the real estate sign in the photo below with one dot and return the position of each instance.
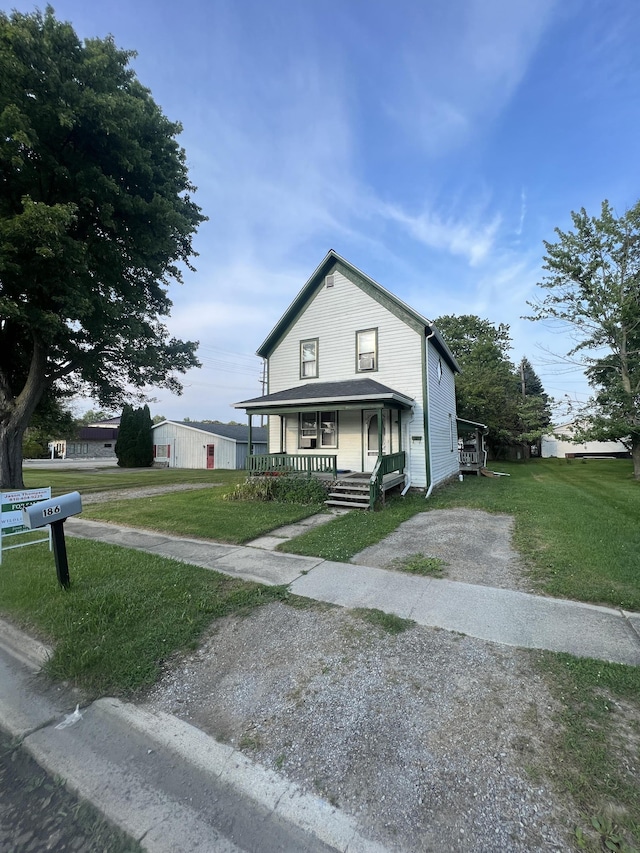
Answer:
(11, 506)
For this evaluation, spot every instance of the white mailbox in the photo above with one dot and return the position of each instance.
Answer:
(56, 509)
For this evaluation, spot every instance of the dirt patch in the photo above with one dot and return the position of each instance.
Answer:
(475, 547)
(431, 740)
(143, 492)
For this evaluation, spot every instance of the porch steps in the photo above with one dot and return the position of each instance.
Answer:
(353, 494)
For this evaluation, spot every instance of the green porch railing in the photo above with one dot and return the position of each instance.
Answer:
(289, 463)
(385, 465)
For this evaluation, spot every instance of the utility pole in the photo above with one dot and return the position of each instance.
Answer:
(522, 380)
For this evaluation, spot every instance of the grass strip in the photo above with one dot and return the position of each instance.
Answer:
(576, 525)
(596, 755)
(125, 613)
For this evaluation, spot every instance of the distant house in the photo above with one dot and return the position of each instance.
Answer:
(360, 385)
(191, 444)
(93, 441)
(559, 443)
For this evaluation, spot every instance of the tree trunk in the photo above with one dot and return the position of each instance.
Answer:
(11, 456)
(15, 415)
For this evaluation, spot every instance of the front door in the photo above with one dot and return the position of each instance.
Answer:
(370, 437)
(211, 450)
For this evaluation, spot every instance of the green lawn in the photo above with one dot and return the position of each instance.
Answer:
(124, 614)
(86, 481)
(596, 748)
(576, 524)
(203, 513)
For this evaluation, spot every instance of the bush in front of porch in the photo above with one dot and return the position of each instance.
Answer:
(281, 489)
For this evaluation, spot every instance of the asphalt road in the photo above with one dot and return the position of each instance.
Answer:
(38, 813)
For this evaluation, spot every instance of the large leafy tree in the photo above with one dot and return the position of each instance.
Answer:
(486, 389)
(593, 289)
(490, 390)
(96, 220)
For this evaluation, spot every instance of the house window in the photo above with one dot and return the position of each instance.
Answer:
(162, 451)
(367, 350)
(308, 359)
(317, 429)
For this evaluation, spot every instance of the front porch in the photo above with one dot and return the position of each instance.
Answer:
(350, 432)
(472, 453)
(349, 489)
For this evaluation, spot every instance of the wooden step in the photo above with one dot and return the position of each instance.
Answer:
(340, 496)
(349, 504)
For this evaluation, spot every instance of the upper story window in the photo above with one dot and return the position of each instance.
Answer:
(308, 359)
(367, 350)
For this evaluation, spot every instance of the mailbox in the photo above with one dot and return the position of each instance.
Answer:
(56, 509)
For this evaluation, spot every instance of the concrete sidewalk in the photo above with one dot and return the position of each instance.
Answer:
(499, 615)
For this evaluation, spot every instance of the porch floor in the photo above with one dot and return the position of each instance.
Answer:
(362, 478)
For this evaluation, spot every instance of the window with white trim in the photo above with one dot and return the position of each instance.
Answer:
(309, 359)
(367, 350)
(317, 429)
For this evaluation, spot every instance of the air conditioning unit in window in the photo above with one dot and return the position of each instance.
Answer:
(366, 363)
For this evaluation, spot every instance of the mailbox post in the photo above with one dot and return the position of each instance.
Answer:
(54, 512)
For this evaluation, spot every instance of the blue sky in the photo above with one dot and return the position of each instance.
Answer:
(435, 145)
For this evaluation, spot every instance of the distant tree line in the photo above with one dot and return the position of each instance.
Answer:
(491, 390)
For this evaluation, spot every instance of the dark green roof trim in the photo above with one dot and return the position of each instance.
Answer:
(331, 263)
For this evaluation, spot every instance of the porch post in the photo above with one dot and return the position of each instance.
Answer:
(250, 447)
(399, 430)
(380, 416)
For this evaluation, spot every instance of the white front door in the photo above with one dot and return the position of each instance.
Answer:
(370, 437)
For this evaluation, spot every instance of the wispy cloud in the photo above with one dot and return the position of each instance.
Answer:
(523, 212)
(473, 239)
(457, 68)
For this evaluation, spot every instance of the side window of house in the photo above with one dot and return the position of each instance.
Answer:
(318, 429)
(308, 358)
(367, 350)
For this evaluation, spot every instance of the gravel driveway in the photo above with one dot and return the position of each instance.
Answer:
(430, 739)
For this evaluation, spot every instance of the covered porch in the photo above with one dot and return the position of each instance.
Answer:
(472, 453)
(350, 433)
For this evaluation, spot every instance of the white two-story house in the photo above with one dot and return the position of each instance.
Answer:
(359, 385)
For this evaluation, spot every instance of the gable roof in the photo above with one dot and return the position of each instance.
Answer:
(334, 262)
(236, 432)
(350, 391)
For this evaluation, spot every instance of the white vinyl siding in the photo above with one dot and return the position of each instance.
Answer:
(442, 418)
(333, 317)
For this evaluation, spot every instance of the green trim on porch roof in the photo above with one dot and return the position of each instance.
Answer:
(388, 300)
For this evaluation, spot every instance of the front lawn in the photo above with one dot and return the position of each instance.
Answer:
(577, 524)
(125, 613)
(203, 513)
(87, 480)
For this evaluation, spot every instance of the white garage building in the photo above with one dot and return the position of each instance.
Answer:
(191, 444)
(559, 444)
